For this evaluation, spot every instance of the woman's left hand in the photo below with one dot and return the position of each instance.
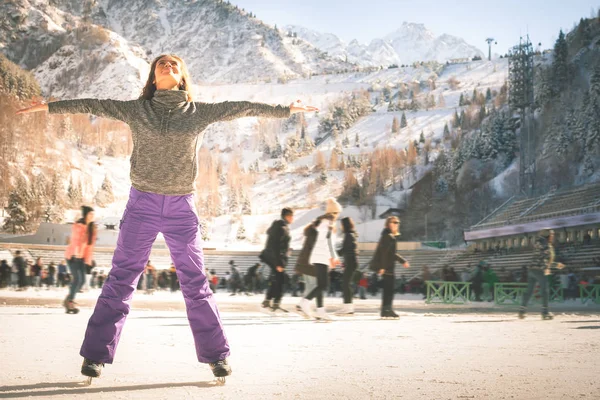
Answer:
(298, 107)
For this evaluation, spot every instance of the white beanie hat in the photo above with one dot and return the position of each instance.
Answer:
(332, 206)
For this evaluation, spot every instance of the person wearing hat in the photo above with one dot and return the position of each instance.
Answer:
(79, 253)
(543, 260)
(384, 262)
(275, 255)
(318, 256)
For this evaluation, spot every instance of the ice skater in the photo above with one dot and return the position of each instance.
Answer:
(318, 254)
(79, 253)
(166, 126)
(543, 260)
(384, 261)
(275, 255)
(349, 251)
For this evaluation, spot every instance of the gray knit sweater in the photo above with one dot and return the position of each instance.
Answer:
(166, 133)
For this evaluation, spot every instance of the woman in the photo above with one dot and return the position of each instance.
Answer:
(79, 254)
(349, 251)
(166, 126)
(384, 261)
(318, 255)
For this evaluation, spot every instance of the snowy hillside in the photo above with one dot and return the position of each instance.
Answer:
(408, 44)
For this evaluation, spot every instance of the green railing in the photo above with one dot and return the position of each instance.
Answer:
(589, 293)
(511, 293)
(447, 292)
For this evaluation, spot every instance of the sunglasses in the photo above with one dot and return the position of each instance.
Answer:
(394, 222)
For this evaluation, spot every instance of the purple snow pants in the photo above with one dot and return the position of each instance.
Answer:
(147, 214)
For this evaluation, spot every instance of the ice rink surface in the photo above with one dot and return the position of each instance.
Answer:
(427, 354)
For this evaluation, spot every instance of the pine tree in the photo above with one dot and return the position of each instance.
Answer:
(592, 141)
(356, 140)
(474, 97)
(560, 64)
(345, 142)
(488, 95)
(74, 193)
(461, 100)
(105, 195)
(233, 203)
(18, 217)
(595, 83)
(464, 123)
(403, 123)
(446, 131)
(204, 230)
(414, 104)
(482, 113)
(241, 232)
(246, 205)
(422, 137)
(456, 120)
(323, 178)
(395, 126)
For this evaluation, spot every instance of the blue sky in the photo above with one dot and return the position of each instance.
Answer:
(505, 20)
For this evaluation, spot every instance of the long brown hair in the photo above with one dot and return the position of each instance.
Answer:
(185, 84)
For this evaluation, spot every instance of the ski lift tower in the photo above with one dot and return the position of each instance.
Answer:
(489, 42)
(520, 98)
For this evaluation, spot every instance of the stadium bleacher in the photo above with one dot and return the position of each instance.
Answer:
(568, 201)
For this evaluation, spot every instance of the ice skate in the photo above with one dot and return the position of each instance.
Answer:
(304, 309)
(266, 306)
(389, 314)
(276, 307)
(346, 310)
(322, 316)
(91, 369)
(70, 307)
(220, 369)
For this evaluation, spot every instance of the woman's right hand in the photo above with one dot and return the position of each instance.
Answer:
(40, 106)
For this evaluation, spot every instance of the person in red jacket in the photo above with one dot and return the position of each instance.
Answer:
(79, 254)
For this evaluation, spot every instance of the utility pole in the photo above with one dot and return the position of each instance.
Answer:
(489, 42)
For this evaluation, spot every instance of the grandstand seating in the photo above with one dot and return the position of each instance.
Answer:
(532, 209)
(513, 211)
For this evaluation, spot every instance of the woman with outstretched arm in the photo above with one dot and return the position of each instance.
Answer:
(167, 128)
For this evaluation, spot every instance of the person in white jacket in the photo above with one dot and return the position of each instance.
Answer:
(322, 256)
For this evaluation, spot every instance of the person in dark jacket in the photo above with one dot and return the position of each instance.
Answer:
(275, 255)
(349, 251)
(4, 274)
(384, 261)
(19, 262)
(477, 280)
(543, 260)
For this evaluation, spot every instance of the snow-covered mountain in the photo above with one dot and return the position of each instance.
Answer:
(102, 48)
(411, 42)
